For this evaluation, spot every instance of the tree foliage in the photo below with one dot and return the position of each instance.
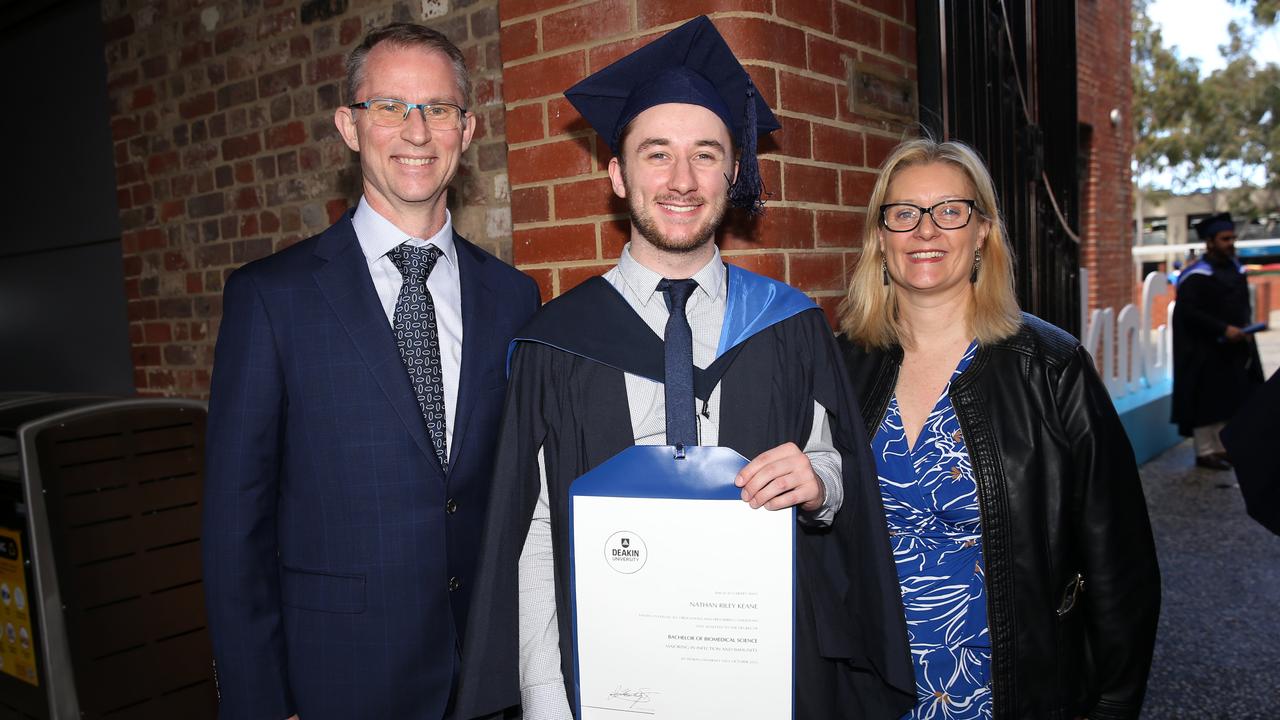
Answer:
(1265, 12)
(1213, 131)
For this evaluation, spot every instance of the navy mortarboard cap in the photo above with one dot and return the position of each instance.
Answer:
(691, 64)
(1214, 224)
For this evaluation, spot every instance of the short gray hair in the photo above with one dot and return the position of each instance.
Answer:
(407, 35)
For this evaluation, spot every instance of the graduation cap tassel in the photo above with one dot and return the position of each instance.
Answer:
(746, 189)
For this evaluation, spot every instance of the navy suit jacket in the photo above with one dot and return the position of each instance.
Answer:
(338, 558)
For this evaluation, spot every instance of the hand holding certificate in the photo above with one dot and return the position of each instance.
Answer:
(683, 595)
(1235, 334)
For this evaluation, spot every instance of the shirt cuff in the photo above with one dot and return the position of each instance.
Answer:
(830, 475)
(825, 461)
(545, 702)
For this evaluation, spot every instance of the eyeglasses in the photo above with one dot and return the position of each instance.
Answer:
(388, 112)
(947, 215)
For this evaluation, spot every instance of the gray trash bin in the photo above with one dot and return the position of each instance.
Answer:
(102, 498)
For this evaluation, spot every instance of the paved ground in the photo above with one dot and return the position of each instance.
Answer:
(1218, 651)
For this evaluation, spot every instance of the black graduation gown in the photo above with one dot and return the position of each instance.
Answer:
(567, 395)
(1250, 438)
(1210, 378)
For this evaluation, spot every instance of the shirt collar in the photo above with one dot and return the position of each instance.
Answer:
(378, 235)
(644, 282)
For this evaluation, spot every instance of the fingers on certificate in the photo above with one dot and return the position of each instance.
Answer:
(780, 478)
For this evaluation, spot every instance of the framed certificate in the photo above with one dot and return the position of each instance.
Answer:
(682, 595)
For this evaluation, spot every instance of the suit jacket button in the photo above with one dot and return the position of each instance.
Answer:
(454, 584)
(451, 506)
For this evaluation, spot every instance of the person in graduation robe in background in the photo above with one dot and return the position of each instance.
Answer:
(1215, 362)
(586, 382)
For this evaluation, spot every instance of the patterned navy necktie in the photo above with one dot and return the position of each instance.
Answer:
(418, 338)
(682, 426)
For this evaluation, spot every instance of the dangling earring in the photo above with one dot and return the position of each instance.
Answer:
(977, 263)
(884, 271)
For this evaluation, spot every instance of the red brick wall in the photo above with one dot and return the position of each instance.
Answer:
(1103, 84)
(225, 149)
(1268, 296)
(819, 168)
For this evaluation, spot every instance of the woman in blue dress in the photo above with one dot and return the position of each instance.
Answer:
(1011, 496)
(935, 529)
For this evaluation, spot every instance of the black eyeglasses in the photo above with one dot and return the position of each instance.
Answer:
(947, 215)
(389, 112)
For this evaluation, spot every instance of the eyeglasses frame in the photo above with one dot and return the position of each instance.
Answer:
(410, 107)
(972, 204)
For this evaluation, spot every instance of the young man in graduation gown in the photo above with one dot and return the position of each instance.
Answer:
(587, 381)
(1215, 363)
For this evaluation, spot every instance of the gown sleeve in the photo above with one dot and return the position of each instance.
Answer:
(490, 679)
(880, 676)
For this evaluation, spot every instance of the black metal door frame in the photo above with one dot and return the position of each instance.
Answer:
(1000, 75)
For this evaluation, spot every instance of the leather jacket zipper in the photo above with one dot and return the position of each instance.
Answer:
(1072, 593)
(998, 689)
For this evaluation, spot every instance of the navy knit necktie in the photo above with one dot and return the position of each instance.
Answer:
(682, 426)
(418, 338)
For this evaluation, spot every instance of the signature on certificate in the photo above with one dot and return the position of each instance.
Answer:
(632, 697)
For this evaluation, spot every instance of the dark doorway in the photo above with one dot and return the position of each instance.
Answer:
(1001, 77)
(63, 318)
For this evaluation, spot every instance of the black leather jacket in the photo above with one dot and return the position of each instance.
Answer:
(1073, 590)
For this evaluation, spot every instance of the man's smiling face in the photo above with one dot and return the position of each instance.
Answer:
(407, 169)
(675, 178)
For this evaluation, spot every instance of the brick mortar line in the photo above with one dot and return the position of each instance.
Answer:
(801, 72)
(587, 220)
(809, 162)
(601, 260)
(818, 207)
(870, 11)
(662, 29)
(583, 134)
(885, 134)
(754, 62)
(517, 104)
(788, 251)
(540, 14)
(787, 159)
(558, 181)
(789, 204)
(781, 113)
(836, 38)
(565, 264)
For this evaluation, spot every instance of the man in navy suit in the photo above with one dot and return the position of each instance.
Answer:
(357, 388)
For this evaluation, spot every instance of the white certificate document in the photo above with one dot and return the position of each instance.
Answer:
(683, 608)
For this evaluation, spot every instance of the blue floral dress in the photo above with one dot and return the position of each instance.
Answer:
(931, 505)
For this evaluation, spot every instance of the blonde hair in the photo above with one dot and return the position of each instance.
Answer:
(869, 312)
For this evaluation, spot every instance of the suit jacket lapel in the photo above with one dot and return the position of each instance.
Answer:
(344, 280)
(478, 341)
